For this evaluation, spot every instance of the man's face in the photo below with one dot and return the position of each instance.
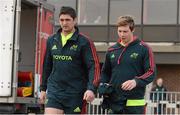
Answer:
(125, 34)
(67, 23)
(160, 82)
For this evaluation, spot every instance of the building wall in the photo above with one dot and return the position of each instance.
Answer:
(156, 21)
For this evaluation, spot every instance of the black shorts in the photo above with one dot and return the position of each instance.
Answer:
(70, 104)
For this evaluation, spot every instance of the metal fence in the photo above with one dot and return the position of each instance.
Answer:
(163, 103)
(95, 106)
(157, 103)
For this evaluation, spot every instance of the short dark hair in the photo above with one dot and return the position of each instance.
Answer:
(68, 10)
(126, 20)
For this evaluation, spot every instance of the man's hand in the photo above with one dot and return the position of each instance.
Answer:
(129, 85)
(42, 97)
(89, 96)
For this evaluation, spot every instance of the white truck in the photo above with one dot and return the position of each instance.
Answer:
(24, 28)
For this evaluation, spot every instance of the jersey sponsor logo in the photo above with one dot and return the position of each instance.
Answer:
(74, 47)
(62, 57)
(77, 109)
(134, 55)
(54, 47)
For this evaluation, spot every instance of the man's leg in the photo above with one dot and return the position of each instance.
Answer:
(118, 107)
(73, 105)
(135, 110)
(53, 107)
(53, 111)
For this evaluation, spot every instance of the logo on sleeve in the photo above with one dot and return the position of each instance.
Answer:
(112, 56)
(54, 47)
(134, 55)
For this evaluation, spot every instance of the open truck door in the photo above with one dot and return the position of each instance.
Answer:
(45, 29)
(7, 28)
(24, 28)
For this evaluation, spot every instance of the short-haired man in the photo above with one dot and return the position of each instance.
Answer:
(71, 68)
(128, 68)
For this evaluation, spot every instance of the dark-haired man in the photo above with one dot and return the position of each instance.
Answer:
(71, 68)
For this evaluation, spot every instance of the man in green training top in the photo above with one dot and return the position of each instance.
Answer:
(71, 68)
(128, 68)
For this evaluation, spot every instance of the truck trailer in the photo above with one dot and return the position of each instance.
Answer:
(24, 28)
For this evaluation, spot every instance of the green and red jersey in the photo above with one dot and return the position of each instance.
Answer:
(122, 63)
(72, 68)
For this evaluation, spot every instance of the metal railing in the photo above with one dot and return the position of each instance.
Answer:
(163, 103)
(95, 106)
(157, 103)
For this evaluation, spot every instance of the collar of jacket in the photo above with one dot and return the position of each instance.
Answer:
(73, 38)
(135, 41)
(118, 45)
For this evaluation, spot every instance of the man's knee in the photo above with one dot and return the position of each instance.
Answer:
(53, 111)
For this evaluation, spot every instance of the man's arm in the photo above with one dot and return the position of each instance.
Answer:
(47, 66)
(149, 68)
(91, 62)
(105, 86)
(106, 70)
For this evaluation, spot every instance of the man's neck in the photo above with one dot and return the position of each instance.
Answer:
(124, 43)
(65, 33)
